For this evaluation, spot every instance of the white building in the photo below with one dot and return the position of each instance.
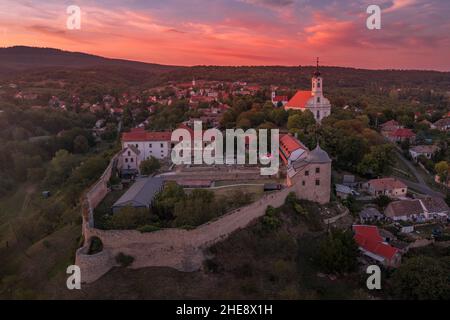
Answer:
(313, 100)
(149, 144)
(426, 151)
(129, 159)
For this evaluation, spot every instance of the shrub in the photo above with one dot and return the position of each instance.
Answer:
(124, 260)
(96, 245)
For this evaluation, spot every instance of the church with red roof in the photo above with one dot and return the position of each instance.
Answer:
(313, 100)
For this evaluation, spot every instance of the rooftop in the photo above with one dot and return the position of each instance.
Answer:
(141, 193)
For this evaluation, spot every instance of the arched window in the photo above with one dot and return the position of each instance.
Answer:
(318, 114)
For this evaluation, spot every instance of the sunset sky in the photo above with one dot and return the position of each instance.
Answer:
(414, 34)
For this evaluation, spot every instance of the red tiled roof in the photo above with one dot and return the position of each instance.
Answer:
(299, 100)
(142, 135)
(368, 238)
(386, 184)
(289, 144)
(402, 133)
(391, 123)
(280, 98)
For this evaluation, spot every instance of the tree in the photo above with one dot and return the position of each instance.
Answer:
(129, 218)
(60, 168)
(421, 278)
(377, 162)
(80, 144)
(338, 252)
(149, 166)
(301, 120)
(442, 169)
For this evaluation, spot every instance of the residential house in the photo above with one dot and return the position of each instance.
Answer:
(390, 187)
(418, 210)
(140, 195)
(389, 126)
(343, 192)
(424, 150)
(370, 215)
(372, 245)
(401, 135)
(129, 160)
(278, 101)
(442, 124)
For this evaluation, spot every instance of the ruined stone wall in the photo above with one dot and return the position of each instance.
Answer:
(176, 248)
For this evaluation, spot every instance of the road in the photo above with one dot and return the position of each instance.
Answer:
(421, 186)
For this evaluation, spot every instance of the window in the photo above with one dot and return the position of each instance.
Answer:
(136, 145)
(318, 115)
(318, 84)
(303, 183)
(150, 145)
(129, 153)
(317, 170)
(318, 99)
(317, 182)
(306, 173)
(162, 145)
(126, 160)
(131, 160)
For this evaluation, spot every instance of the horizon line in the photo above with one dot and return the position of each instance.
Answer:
(223, 66)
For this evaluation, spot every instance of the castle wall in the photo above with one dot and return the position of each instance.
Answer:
(176, 248)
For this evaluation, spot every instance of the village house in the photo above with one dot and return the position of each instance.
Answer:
(389, 127)
(279, 101)
(390, 187)
(401, 135)
(370, 215)
(418, 210)
(343, 191)
(372, 245)
(313, 100)
(442, 124)
(129, 160)
(426, 151)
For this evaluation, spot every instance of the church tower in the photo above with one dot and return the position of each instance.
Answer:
(317, 82)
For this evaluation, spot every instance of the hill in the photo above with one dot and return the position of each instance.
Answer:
(21, 57)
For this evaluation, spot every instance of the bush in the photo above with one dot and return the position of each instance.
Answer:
(95, 246)
(338, 252)
(271, 221)
(149, 166)
(124, 260)
(129, 218)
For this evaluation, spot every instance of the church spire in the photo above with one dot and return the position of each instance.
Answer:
(317, 73)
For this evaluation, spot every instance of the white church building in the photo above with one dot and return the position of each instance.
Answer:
(312, 100)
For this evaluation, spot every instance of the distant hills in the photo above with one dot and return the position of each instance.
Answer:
(21, 57)
(37, 63)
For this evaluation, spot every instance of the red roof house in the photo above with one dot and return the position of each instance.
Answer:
(402, 135)
(372, 245)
